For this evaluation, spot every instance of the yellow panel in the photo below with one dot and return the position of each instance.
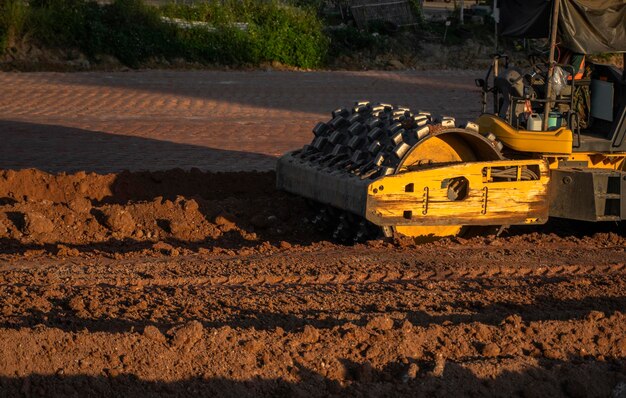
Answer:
(610, 161)
(555, 142)
(421, 197)
(434, 150)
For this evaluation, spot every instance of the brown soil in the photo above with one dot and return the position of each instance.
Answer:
(189, 283)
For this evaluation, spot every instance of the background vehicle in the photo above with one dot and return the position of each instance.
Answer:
(554, 144)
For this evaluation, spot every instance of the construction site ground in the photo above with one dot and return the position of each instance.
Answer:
(144, 251)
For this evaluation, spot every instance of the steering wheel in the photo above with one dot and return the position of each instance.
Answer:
(539, 69)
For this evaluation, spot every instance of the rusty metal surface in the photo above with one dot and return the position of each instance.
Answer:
(486, 203)
(341, 190)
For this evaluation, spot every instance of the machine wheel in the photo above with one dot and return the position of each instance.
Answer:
(376, 140)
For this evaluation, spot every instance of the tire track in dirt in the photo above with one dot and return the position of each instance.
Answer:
(467, 274)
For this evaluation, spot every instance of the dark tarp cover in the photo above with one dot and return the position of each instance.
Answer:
(585, 26)
(525, 18)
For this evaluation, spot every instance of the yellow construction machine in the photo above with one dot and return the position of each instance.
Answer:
(554, 145)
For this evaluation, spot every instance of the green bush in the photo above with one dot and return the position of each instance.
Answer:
(275, 31)
(13, 15)
(217, 13)
(289, 35)
(126, 29)
(58, 22)
(226, 46)
(134, 32)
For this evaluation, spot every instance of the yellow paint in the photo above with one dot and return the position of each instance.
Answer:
(434, 150)
(548, 142)
(608, 161)
(488, 202)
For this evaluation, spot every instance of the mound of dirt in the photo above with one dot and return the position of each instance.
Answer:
(36, 185)
(186, 208)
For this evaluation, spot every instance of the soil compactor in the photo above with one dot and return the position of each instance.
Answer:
(554, 145)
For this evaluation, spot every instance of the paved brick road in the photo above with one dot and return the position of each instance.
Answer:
(220, 121)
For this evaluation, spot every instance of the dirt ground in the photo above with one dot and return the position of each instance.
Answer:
(206, 281)
(192, 283)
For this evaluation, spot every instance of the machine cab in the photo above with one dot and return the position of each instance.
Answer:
(570, 105)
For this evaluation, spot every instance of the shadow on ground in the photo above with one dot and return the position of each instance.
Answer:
(316, 92)
(578, 378)
(56, 148)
